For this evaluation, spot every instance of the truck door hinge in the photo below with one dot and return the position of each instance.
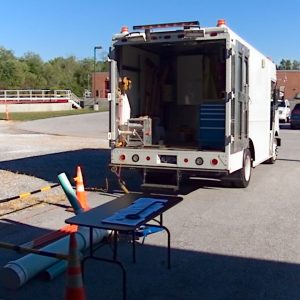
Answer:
(229, 53)
(229, 139)
(229, 96)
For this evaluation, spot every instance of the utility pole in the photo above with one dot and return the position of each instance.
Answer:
(94, 91)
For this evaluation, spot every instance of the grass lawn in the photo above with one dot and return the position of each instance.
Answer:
(29, 116)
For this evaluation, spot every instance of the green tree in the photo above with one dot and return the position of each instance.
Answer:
(31, 72)
(83, 75)
(287, 64)
(12, 71)
(296, 65)
(34, 75)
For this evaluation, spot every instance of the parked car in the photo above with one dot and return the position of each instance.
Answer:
(295, 116)
(284, 111)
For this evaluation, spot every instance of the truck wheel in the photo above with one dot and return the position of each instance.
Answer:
(275, 153)
(241, 178)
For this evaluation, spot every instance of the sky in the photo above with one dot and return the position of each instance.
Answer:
(53, 28)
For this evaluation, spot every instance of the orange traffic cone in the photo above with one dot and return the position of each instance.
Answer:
(80, 192)
(74, 286)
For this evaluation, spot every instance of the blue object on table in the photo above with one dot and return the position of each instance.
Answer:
(136, 212)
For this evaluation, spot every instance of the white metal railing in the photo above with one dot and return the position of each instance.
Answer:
(19, 96)
(74, 97)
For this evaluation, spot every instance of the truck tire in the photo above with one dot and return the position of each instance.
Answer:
(273, 159)
(240, 178)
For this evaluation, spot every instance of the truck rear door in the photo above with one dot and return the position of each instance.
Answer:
(240, 101)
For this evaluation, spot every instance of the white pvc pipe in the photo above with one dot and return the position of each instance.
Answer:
(55, 270)
(15, 273)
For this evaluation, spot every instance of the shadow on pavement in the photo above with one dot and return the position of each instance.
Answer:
(93, 163)
(95, 169)
(194, 275)
(16, 233)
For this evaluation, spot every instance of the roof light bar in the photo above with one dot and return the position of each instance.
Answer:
(167, 25)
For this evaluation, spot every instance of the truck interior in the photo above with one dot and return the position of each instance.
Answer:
(178, 89)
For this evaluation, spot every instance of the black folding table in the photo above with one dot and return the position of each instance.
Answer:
(102, 217)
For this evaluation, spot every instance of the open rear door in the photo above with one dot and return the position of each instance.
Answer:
(240, 103)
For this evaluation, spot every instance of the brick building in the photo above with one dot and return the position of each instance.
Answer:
(100, 85)
(289, 81)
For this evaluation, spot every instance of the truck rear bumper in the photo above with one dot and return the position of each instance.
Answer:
(207, 173)
(176, 159)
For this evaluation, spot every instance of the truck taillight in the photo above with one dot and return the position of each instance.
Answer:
(214, 162)
(122, 157)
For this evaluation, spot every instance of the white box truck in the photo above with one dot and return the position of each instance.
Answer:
(199, 101)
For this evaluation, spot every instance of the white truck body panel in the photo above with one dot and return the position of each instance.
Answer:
(192, 93)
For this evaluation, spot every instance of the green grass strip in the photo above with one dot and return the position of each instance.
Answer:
(30, 116)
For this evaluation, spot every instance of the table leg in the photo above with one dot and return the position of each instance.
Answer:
(133, 246)
(91, 241)
(114, 260)
(115, 250)
(124, 274)
(169, 246)
(169, 241)
(90, 251)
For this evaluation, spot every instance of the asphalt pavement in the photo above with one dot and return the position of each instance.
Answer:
(94, 125)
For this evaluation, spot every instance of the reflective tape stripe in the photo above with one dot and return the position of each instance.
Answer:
(24, 195)
(80, 188)
(46, 188)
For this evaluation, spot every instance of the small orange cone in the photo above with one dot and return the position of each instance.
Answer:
(80, 192)
(74, 286)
